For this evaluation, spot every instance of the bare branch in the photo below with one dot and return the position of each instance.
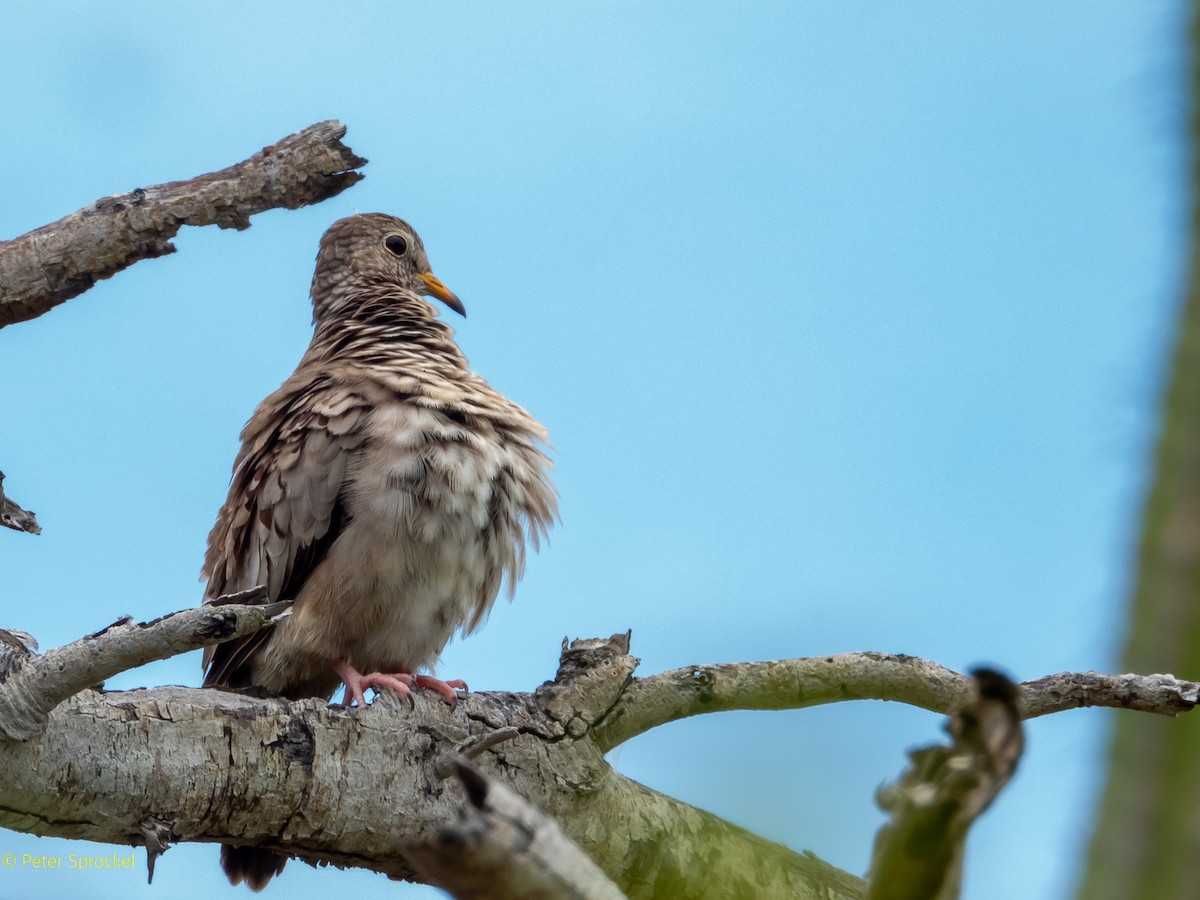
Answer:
(780, 684)
(798, 683)
(12, 516)
(504, 848)
(918, 854)
(56, 262)
(1164, 695)
(353, 787)
(29, 692)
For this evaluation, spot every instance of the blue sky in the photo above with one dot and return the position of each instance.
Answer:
(848, 322)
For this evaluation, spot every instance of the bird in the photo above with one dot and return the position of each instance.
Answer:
(385, 489)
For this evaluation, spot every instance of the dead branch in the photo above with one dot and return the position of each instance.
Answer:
(12, 516)
(49, 265)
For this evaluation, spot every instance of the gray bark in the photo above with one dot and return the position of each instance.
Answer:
(353, 788)
(12, 516)
(359, 787)
(505, 848)
(49, 265)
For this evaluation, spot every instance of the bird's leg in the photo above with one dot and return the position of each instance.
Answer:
(401, 682)
(357, 683)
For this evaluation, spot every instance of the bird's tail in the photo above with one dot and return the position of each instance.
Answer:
(253, 865)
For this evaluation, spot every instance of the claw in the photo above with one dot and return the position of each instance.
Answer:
(402, 683)
(357, 684)
(444, 688)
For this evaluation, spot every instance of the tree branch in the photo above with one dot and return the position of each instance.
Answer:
(12, 516)
(1143, 844)
(49, 265)
(797, 683)
(356, 787)
(918, 854)
(1163, 695)
(504, 848)
(28, 692)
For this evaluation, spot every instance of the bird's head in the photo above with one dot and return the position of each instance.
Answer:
(376, 249)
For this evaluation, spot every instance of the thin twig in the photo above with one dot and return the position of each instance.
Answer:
(472, 748)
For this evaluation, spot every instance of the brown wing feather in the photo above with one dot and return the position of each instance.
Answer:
(283, 510)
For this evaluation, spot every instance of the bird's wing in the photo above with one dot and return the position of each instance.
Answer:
(285, 505)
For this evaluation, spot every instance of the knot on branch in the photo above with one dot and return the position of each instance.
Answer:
(592, 673)
(15, 648)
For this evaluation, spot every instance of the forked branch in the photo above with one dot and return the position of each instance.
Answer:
(357, 787)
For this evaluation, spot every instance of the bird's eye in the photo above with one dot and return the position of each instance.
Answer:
(396, 244)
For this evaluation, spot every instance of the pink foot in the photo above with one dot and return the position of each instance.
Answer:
(357, 684)
(402, 683)
(445, 688)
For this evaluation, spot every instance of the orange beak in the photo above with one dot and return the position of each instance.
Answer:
(443, 293)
